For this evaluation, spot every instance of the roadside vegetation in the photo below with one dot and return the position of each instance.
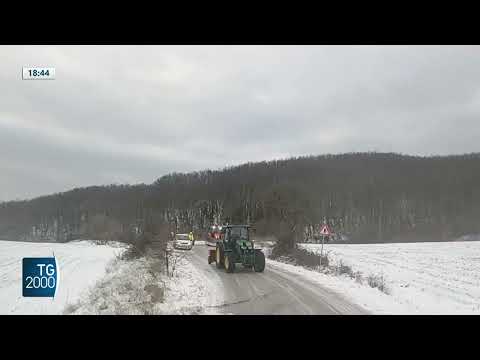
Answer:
(322, 263)
(136, 284)
(142, 280)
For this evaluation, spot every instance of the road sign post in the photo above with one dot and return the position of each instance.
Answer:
(325, 231)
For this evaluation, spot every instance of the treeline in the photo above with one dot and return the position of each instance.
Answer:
(366, 197)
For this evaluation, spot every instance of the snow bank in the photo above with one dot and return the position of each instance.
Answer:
(190, 292)
(423, 278)
(141, 287)
(80, 264)
(370, 299)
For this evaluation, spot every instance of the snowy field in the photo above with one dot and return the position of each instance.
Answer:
(422, 278)
(81, 264)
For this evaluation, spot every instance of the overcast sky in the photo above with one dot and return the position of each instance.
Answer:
(130, 114)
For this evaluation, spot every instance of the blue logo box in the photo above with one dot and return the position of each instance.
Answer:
(39, 277)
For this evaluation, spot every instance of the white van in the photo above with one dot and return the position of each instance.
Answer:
(182, 241)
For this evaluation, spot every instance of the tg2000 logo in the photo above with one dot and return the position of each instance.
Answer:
(39, 277)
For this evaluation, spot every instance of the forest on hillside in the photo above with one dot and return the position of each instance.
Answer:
(364, 197)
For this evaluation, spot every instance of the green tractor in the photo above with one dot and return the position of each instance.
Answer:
(236, 247)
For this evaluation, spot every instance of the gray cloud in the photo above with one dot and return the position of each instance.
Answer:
(119, 114)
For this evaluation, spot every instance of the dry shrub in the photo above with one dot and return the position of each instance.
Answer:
(378, 281)
(342, 269)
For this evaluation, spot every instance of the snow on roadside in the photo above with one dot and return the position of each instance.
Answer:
(424, 278)
(80, 264)
(370, 299)
(112, 244)
(141, 287)
(190, 292)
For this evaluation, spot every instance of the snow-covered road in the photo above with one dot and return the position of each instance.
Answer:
(275, 291)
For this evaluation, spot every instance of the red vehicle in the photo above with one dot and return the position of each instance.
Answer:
(215, 234)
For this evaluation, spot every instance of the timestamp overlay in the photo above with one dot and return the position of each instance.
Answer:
(38, 73)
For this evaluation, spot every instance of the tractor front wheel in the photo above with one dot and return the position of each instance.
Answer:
(229, 264)
(259, 263)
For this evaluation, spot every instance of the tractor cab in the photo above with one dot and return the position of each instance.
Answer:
(239, 237)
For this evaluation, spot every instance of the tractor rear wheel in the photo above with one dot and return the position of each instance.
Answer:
(229, 263)
(219, 256)
(259, 263)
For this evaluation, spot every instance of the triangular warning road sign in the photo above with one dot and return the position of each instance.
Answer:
(325, 230)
